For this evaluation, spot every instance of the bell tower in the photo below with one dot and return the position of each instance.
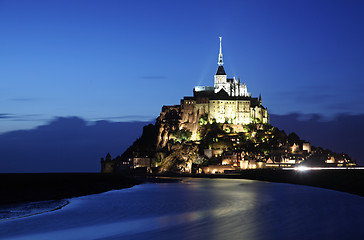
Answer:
(220, 76)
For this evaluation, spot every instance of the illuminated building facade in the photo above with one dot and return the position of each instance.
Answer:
(228, 101)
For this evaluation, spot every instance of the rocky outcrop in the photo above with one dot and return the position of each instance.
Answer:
(167, 123)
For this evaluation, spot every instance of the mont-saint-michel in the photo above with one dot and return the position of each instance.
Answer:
(253, 135)
(220, 129)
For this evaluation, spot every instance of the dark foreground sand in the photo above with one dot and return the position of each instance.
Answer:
(30, 187)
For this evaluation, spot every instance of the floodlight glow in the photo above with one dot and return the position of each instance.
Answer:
(302, 168)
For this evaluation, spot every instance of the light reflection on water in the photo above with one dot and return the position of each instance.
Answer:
(200, 208)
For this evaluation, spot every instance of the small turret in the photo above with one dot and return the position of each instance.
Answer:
(260, 99)
(108, 157)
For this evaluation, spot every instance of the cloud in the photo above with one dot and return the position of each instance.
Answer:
(31, 118)
(5, 116)
(128, 118)
(23, 117)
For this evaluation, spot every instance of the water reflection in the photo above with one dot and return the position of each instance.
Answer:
(200, 209)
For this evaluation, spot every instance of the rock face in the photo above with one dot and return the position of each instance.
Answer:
(181, 158)
(167, 123)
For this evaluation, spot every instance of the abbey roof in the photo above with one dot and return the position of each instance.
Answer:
(220, 70)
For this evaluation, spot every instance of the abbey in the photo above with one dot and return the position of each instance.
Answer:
(237, 138)
(228, 101)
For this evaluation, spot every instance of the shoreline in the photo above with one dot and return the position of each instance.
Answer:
(348, 181)
(24, 214)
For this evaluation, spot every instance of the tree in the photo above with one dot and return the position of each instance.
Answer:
(182, 135)
(203, 120)
(209, 132)
(293, 138)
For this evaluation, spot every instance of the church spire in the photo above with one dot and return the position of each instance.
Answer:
(220, 68)
(220, 63)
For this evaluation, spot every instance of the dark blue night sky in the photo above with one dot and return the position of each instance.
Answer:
(123, 60)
